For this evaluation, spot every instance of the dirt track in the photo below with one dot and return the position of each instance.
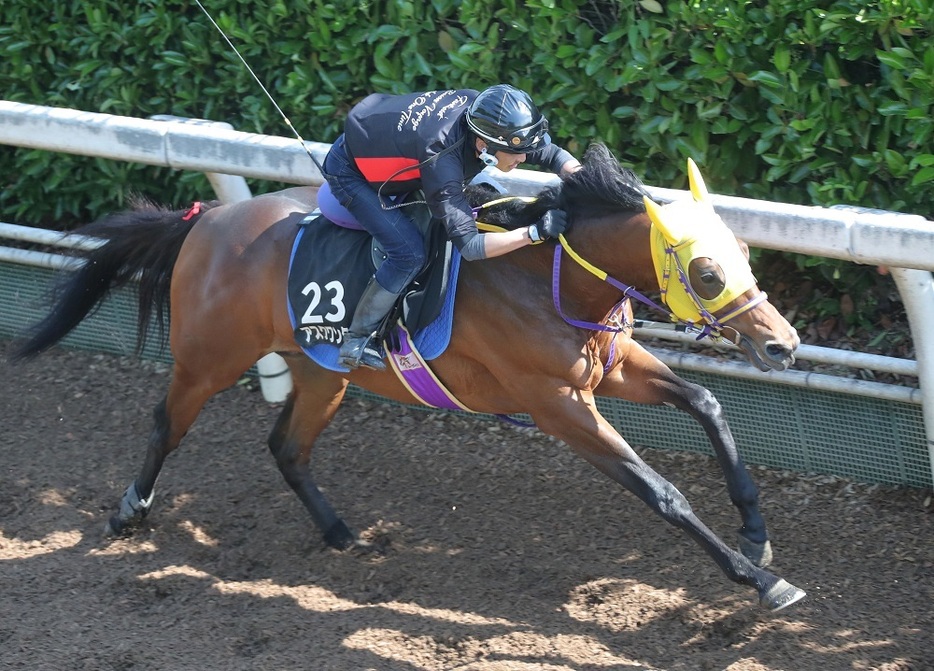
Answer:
(498, 548)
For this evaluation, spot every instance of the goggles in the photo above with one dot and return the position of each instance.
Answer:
(522, 140)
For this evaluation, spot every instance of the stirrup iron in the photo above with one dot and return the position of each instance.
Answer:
(362, 351)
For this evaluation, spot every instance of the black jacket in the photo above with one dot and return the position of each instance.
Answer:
(421, 140)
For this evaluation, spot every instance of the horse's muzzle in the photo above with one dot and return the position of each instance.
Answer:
(773, 356)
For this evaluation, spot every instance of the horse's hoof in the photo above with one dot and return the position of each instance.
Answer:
(339, 536)
(116, 528)
(133, 510)
(780, 595)
(759, 554)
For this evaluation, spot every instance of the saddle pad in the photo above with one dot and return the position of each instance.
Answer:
(328, 271)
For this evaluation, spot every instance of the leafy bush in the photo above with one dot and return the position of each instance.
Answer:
(800, 101)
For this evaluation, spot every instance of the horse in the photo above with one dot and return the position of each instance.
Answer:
(219, 274)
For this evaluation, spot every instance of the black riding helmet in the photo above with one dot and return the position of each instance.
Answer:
(507, 119)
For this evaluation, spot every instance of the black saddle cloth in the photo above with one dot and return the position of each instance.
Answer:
(330, 267)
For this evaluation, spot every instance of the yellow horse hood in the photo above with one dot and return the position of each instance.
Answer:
(688, 230)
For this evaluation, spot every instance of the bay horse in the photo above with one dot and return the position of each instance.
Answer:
(223, 271)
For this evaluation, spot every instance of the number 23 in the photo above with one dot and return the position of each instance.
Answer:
(335, 314)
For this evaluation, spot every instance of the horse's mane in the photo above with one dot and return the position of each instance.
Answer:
(600, 187)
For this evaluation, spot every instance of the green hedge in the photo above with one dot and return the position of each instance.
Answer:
(799, 101)
(787, 100)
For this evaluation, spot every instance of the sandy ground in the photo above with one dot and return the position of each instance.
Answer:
(496, 548)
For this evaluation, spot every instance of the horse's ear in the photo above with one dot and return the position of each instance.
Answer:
(657, 216)
(698, 188)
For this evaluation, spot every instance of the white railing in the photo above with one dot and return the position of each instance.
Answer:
(904, 243)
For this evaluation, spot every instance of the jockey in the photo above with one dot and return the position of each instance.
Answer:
(436, 141)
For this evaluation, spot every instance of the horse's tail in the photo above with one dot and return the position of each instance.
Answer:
(142, 243)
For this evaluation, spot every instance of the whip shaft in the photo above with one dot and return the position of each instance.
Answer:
(265, 90)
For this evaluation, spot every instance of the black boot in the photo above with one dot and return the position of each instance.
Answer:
(360, 348)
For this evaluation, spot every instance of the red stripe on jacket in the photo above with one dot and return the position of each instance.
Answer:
(382, 169)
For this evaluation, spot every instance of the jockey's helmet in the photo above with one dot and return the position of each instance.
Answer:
(507, 119)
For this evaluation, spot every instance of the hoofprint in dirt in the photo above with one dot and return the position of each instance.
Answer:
(494, 548)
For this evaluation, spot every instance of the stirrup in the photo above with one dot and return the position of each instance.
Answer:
(361, 350)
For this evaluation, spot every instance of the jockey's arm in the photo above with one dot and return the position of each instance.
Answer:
(489, 245)
(447, 202)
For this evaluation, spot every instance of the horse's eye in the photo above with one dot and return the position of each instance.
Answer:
(706, 277)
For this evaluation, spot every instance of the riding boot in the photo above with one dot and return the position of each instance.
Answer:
(360, 347)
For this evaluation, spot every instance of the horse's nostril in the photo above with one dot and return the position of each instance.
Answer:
(777, 351)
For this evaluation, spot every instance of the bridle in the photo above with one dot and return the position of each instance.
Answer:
(713, 326)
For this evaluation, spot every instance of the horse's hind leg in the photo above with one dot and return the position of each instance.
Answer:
(315, 397)
(644, 379)
(171, 420)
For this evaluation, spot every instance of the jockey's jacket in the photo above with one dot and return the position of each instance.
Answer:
(401, 143)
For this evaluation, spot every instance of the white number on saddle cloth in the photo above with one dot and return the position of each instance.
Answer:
(335, 314)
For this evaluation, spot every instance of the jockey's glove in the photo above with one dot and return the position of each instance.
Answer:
(552, 224)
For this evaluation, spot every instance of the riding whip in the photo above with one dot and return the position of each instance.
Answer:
(268, 95)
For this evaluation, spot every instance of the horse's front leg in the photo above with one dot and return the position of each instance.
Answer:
(642, 378)
(574, 419)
